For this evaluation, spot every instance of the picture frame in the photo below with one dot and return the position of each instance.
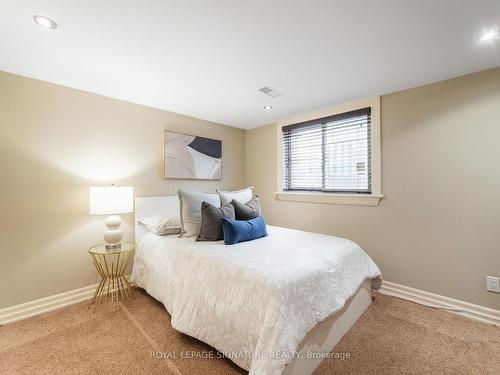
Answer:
(191, 157)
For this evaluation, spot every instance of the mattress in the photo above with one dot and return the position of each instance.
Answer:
(254, 301)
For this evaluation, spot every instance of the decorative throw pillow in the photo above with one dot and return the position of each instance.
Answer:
(190, 208)
(248, 210)
(211, 223)
(239, 230)
(162, 224)
(243, 195)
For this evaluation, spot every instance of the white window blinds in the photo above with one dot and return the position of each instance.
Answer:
(331, 155)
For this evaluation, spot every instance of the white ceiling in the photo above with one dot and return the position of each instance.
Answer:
(207, 58)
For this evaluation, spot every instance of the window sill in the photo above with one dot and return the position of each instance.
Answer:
(330, 198)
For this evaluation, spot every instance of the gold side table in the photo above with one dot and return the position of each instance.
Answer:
(111, 267)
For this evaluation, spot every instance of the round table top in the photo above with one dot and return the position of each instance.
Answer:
(101, 248)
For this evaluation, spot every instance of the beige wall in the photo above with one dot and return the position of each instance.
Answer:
(438, 227)
(54, 143)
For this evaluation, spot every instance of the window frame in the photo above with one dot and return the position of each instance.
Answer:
(321, 125)
(364, 199)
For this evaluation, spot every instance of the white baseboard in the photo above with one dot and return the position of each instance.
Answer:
(469, 310)
(43, 305)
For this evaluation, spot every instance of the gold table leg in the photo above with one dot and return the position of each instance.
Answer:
(113, 284)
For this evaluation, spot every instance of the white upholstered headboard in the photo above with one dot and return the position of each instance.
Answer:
(149, 206)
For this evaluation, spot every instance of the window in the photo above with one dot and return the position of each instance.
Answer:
(329, 155)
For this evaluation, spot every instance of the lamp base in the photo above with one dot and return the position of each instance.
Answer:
(114, 247)
(114, 234)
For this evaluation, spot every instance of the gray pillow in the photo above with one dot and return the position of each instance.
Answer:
(211, 221)
(243, 195)
(190, 203)
(247, 211)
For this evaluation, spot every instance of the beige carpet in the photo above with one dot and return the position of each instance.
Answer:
(392, 337)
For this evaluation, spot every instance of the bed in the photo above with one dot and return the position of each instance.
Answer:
(273, 305)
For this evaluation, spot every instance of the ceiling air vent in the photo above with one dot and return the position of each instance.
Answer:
(271, 92)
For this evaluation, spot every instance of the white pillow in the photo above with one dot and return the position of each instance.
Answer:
(190, 203)
(243, 195)
(162, 224)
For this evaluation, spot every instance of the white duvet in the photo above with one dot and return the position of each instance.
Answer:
(256, 300)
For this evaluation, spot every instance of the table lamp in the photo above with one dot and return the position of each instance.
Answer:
(111, 200)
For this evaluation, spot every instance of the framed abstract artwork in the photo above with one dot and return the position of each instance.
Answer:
(191, 157)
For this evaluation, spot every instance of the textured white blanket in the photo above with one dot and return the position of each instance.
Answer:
(254, 301)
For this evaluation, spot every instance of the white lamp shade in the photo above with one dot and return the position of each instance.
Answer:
(110, 200)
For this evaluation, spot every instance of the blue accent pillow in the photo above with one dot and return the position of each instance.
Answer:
(243, 230)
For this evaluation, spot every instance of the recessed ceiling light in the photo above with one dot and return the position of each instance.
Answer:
(268, 107)
(489, 36)
(45, 22)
